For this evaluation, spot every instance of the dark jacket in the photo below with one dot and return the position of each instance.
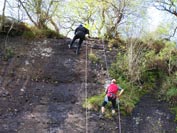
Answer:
(81, 30)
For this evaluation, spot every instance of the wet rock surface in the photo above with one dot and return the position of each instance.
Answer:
(42, 89)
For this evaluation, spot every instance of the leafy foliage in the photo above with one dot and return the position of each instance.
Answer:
(168, 90)
(36, 33)
(9, 53)
(94, 102)
(93, 58)
(157, 65)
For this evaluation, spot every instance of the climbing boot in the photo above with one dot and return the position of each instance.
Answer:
(113, 113)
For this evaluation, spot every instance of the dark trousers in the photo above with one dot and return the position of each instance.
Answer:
(113, 101)
(81, 37)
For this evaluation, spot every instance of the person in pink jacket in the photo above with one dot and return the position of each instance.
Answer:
(111, 95)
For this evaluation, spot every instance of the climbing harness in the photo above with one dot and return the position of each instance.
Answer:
(108, 76)
(86, 73)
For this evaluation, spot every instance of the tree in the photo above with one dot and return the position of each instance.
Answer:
(3, 15)
(101, 16)
(169, 6)
(40, 12)
(135, 56)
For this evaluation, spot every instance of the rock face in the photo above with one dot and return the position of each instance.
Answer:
(151, 116)
(42, 89)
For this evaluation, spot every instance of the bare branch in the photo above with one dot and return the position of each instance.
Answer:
(27, 13)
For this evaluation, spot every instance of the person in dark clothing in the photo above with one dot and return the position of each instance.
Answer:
(80, 33)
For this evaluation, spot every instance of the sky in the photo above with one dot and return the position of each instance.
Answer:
(155, 18)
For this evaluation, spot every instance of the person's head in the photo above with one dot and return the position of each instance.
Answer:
(113, 81)
(81, 25)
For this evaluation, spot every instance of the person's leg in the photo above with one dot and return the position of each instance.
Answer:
(74, 39)
(113, 105)
(79, 45)
(103, 107)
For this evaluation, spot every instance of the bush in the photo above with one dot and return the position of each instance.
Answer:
(51, 34)
(35, 33)
(149, 79)
(29, 35)
(12, 26)
(169, 90)
(174, 110)
(94, 102)
(117, 43)
(9, 53)
(93, 58)
(157, 46)
(130, 97)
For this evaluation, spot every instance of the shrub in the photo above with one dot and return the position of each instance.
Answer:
(168, 89)
(9, 53)
(93, 58)
(94, 102)
(29, 35)
(51, 33)
(35, 33)
(12, 26)
(174, 110)
(157, 46)
(117, 42)
(149, 79)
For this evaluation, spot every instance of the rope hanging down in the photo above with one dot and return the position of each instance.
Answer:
(105, 59)
(86, 111)
(107, 72)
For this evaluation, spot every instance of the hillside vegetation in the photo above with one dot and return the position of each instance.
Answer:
(142, 55)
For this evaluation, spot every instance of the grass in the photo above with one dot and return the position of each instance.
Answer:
(94, 102)
(35, 33)
(93, 58)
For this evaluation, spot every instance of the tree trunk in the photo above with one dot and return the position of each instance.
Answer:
(3, 15)
(28, 13)
(55, 26)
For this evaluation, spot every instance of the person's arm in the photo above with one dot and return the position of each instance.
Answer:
(75, 31)
(122, 90)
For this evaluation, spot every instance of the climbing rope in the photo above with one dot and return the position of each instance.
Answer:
(86, 73)
(119, 115)
(107, 72)
(109, 79)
